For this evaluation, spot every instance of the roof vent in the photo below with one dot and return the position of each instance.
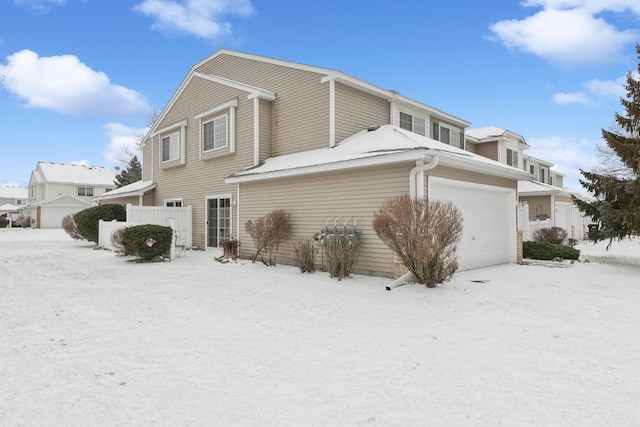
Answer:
(373, 128)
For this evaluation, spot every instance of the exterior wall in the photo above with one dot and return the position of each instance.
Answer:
(559, 181)
(488, 150)
(471, 147)
(313, 199)
(461, 175)
(198, 178)
(356, 110)
(300, 115)
(538, 205)
(121, 201)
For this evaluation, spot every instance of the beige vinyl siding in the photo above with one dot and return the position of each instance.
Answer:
(471, 147)
(563, 199)
(265, 130)
(313, 199)
(146, 160)
(198, 178)
(463, 175)
(121, 201)
(538, 205)
(488, 150)
(357, 110)
(559, 181)
(300, 113)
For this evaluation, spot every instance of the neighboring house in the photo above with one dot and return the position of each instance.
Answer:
(244, 135)
(545, 196)
(12, 199)
(57, 190)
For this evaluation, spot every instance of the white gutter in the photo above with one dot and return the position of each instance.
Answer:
(413, 176)
(413, 193)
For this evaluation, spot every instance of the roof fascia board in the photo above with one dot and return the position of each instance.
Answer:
(252, 90)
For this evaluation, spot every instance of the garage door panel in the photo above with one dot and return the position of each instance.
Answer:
(489, 227)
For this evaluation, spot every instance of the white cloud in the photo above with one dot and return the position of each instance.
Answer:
(39, 5)
(567, 154)
(571, 98)
(202, 18)
(568, 32)
(66, 85)
(121, 139)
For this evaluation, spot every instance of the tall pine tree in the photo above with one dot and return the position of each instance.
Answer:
(130, 174)
(617, 198)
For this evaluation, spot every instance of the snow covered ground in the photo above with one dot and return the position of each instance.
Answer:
(87, 338)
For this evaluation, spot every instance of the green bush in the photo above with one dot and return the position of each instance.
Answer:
(548, 251)
(87, 220)
(147, 241)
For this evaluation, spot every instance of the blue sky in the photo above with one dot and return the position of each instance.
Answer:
(81, 77)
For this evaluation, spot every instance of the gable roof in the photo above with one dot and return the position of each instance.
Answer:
(375, 146)
(326, 73)
(74, 174)
(492, 133)
(13, 192)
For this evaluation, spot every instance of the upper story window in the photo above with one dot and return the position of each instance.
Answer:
(85, 191)
(543, 174)
(173, 203)
(106, 190)
(413, 123)
(19, 202)
(214, 133)
(448, 135)
(171, 147)
(533, 171)
(512, 158)
(218, 130)
(172, 150)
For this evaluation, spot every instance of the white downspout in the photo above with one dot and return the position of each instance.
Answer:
(413, 193)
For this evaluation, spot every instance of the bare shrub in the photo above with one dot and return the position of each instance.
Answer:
(555, 235)
(25, 221)
(305, 255)
(69, 226)
(267, 233)
(342, 253)
(230, 248)
(423, 233)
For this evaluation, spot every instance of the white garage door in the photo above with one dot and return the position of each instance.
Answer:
(51, 215)
(489, 214)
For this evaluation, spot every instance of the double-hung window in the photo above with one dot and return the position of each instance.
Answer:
(448, 135)
(512, 158)
(85, 191)
(171, 147)
(214, 133)
(173, 203)
(412, 123)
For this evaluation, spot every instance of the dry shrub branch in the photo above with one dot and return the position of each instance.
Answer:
(423, 233)
(267, 233)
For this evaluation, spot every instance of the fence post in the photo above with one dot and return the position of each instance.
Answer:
(172, 252)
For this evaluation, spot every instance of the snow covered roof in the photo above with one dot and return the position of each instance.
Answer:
(76, 174)
(8, 207)
(137, 188)
(490, 133)
(13, 192)
(375, 146)
(532, 188)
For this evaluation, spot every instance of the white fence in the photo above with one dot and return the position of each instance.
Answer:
(178, 218)
(529, 227)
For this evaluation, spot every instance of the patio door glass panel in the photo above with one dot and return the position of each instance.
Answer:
(218, 221)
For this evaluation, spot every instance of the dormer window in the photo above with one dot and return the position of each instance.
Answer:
(412, 123)
(512, 158)
(448, 135)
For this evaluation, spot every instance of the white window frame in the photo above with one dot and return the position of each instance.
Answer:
(416, 123)
(453, 132)
(173, 152)
(512, 158)
(84, 191)
(176, 130)
(227, 109)
(216, 143)
(173, 203)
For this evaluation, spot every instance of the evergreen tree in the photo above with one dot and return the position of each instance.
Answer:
(617, 196)
(130, 174)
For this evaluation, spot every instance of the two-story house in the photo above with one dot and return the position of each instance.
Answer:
(544, 194)
(12, 198)
(57, 190)
(244, 135)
